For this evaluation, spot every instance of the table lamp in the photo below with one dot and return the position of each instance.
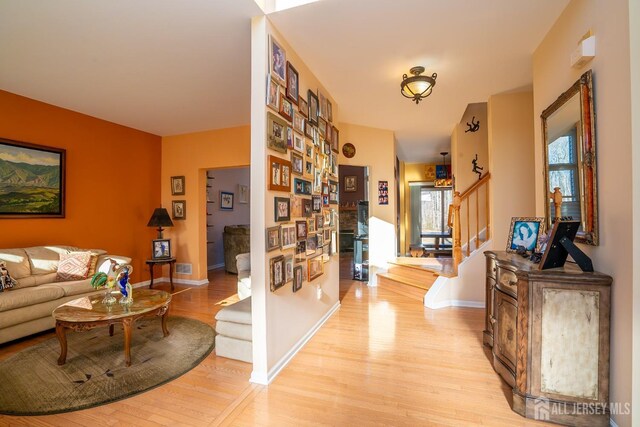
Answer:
(160, 218)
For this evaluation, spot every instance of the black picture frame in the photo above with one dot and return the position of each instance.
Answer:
(281, 209)
(161, 249)
(301, 186)
(25, 200)
(314, 107)
(179, 209)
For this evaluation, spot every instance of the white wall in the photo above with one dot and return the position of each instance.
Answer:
(552, 75)
(282, 320)
(225, 180)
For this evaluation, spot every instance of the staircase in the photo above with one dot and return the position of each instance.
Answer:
(469, 216)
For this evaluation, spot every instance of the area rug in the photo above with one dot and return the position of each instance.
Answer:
(31, 382)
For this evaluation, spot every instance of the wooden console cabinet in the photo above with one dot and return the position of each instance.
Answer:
(549, 337)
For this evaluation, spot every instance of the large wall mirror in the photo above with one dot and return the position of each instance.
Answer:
(570, 157)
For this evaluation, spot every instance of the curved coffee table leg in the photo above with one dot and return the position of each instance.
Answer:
(111, 330)
(165, 330)
(62, 338)
(126, 325)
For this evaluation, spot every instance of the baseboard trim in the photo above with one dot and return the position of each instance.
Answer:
(213, 267)
(457, 303)
(260, 378)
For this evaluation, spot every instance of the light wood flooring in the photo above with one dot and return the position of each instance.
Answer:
(382, 359)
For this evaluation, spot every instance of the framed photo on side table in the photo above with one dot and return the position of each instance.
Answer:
(524, 231)
(161, 249)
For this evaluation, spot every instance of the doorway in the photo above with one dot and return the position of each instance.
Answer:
(354, 219)
(429, 233)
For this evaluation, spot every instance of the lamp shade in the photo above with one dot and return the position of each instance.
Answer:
(160, 218)
(417, 87)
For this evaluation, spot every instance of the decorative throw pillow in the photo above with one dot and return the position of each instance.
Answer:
(6, 281)
(93, 262)
(73, 266)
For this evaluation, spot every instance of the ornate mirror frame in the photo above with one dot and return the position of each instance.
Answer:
(588, 233)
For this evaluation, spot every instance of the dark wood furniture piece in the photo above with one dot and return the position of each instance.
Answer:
(549, 336)
(159, 261)
(89, 312)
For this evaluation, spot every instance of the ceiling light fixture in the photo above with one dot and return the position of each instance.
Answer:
(417, 87)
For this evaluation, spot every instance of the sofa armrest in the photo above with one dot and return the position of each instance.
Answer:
(104, 262)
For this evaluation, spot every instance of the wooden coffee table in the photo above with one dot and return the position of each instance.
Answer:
(88, 312)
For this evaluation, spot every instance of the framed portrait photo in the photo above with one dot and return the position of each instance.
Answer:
(177, 185)
(276, 272)
(226, 201)
(288, 237)
(179, 209)
(273, 238)
(276, 133)
(161, 249)
(243, 193)
(282, 208)
(297, 163)
(350, 184)
(286, 108)
(292, 83)
(524, 231)
(273, 94)
(315, 267)
(288, 268)
(277, 61)
(279, 174)
(303, 107)
(301, 230)
(32, 180)
(298, 278)
(312, 99)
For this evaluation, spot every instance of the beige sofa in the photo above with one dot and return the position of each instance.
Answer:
(26, 308)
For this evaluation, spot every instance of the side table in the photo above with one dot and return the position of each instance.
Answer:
(161, 261)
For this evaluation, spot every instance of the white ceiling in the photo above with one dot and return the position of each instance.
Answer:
(170, 67)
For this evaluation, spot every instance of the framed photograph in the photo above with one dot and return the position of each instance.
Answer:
(316, 204)
(306, 208)
(301, 186)
(334, 243)
(296, 206)
(301, 230)
(308, 150)
(292, 83)
(33, 180)
(322, 106)
(524, 231)
(308, 169)
(329, 111)
(288, 238)
(317, 180)
(273, 94)
(273, 238)
(288, 268)
(312, 244)
(179, 209)
(319, 220)
(335, 139)
(279, 174)
(226, 201)
(383, 192)
(313, 107)
(311, 225)
(333, 192)
(177, 185)
(297, 163)
(315, 268)
(281, 207)
(161, 249)
(289, 137)
(243, 193)
(309, 130)
(276, 272)
(276, 133)
(301, 251)
(298, 123)
(350, 184)
(298, 142)
(327, 236)
(322, 127)
(320, 239)
(326, 217)
(286, 108)
(298, 278)
(277, 61)
(303, 107)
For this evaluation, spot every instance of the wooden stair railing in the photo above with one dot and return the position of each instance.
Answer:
(455, 220)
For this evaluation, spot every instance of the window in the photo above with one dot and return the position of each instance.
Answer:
(564, 172)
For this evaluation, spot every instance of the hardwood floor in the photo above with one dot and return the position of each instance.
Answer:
(382, 359)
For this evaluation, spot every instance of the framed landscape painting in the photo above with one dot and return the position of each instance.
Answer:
(32, 180)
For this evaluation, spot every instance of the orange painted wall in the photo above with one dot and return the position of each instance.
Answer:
(191, 155)
(112, 181)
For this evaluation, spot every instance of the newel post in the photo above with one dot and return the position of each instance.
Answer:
(457, 232)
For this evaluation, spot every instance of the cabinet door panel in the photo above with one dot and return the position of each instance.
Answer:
(504, 346)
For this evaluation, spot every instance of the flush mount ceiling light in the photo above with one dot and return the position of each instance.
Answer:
(417, 87)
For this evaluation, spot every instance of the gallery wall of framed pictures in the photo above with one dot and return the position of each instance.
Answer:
(302, 175)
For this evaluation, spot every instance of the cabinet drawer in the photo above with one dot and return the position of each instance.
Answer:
(507, 282)
(504, 333)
